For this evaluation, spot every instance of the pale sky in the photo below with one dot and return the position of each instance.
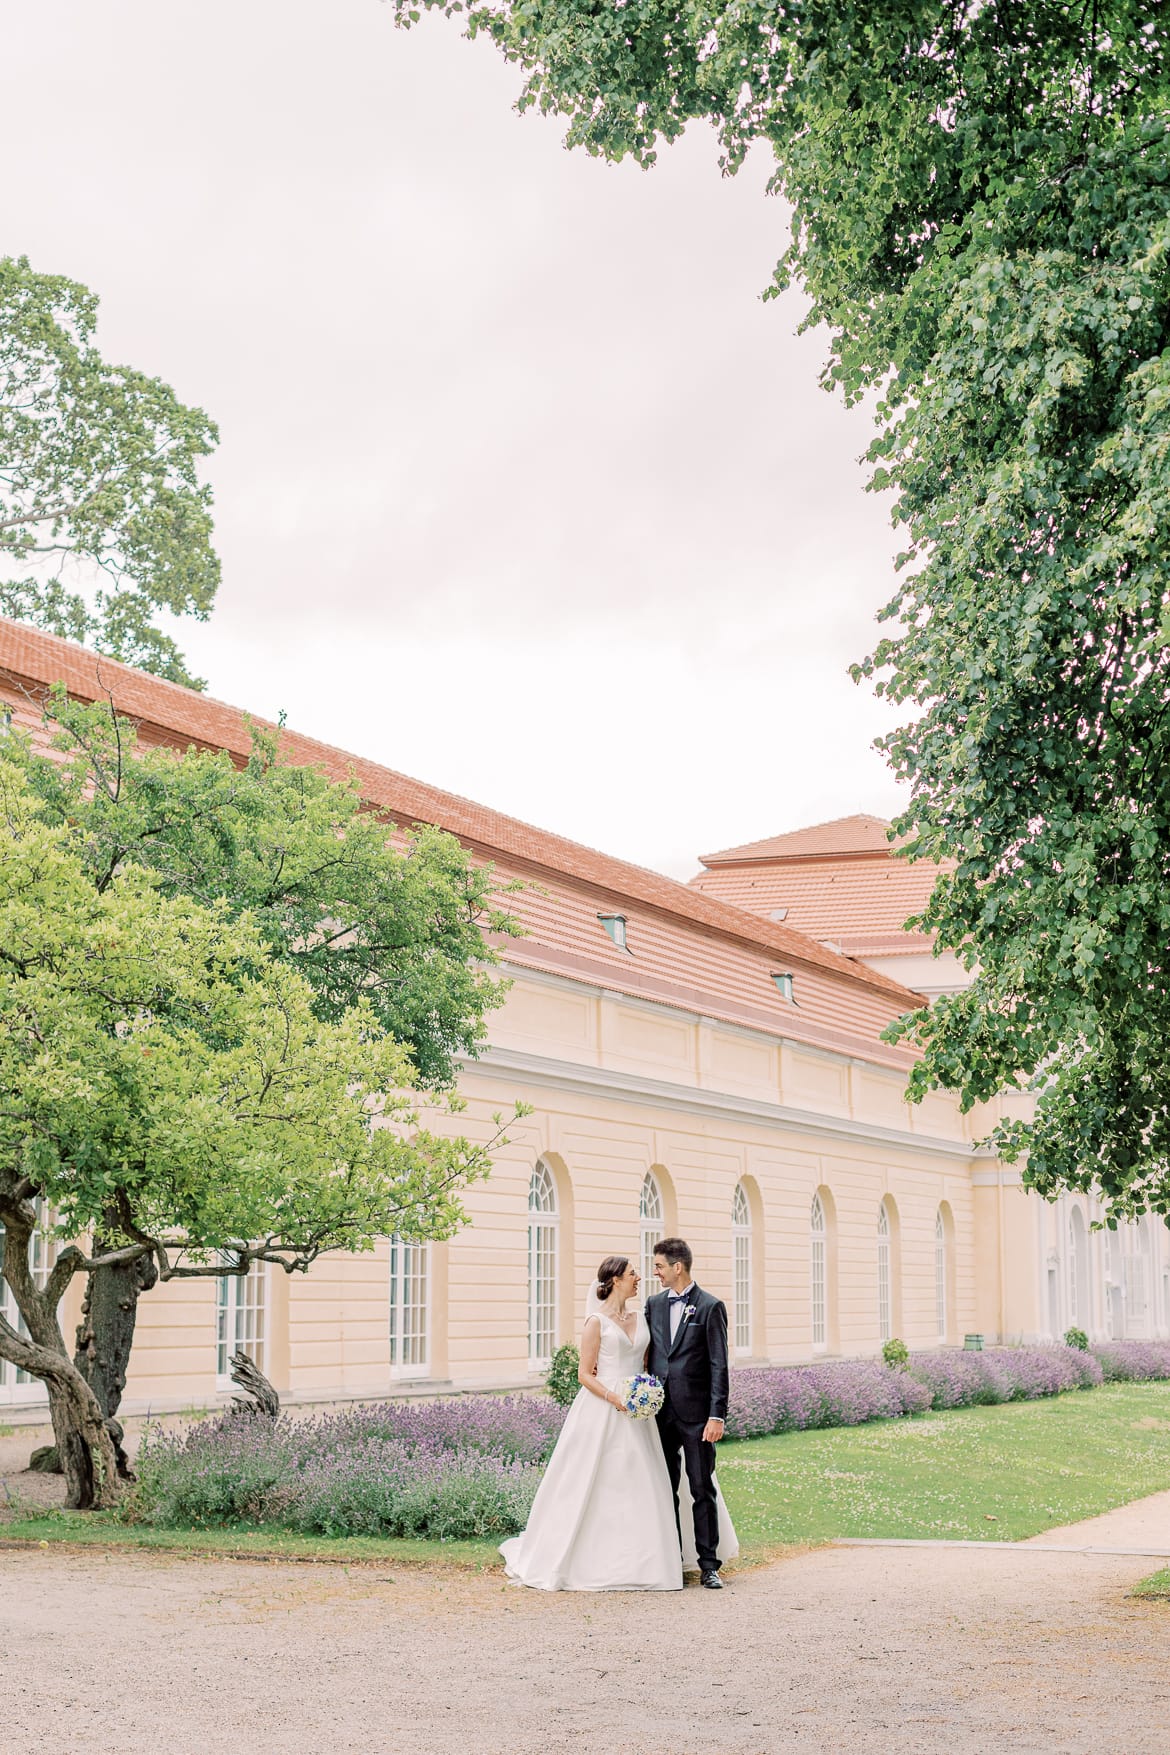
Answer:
(521, 487)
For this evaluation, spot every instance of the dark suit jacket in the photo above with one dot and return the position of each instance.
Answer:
(694, 1371)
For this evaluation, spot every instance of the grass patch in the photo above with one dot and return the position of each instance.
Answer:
(990, 1473)
(985, 1474)
(1156, 1588)
(266, 1542)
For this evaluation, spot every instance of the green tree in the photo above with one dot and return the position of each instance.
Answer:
(980, 198)
(103, 520)
(166, 1086)
(394, 936)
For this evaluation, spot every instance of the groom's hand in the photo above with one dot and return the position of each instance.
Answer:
(712, 1431)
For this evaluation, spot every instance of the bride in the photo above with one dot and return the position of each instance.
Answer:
(604, 1514)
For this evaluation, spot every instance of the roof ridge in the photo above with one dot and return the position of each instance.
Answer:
(811, 841)
(469, 821)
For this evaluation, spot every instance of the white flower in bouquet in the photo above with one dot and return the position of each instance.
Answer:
(642, 1396)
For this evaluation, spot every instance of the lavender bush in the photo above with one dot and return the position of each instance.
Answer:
(463, 1467)
(1133, 1361)
(469, 1466)
(1002, 1374)
(795, 1398)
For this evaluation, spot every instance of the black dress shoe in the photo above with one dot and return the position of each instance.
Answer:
(711, 1581)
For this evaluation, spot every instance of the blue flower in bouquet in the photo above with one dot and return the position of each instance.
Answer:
(642, 1396)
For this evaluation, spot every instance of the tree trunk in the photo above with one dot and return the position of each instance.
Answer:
(250, 1378)
(105, 1336)
(84, 1446)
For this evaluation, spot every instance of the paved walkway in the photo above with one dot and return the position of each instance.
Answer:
(906, 1649)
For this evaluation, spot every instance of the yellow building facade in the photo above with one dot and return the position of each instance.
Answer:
(694, 1068)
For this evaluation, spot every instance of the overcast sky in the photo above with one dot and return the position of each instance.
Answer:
(521, 487)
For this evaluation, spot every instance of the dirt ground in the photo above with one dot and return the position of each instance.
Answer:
(866, 1649)
(1036, 1647)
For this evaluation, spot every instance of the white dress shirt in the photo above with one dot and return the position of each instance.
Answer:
(676, 1310)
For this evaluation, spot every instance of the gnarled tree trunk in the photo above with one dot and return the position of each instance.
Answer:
(249, 1377)
(105, 1336)
(84, 1447)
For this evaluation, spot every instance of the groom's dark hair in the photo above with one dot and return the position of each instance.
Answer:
(673, 1249)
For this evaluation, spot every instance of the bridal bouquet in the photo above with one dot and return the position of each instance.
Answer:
(642, 1395)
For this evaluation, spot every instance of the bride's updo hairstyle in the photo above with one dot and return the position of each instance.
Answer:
(610, 1271)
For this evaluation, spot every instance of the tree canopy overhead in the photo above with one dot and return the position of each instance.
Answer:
(980, 199)
(103, 519)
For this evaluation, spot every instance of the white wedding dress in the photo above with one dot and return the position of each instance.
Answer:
(603, 1516)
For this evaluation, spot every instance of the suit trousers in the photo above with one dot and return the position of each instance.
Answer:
(682, 1442)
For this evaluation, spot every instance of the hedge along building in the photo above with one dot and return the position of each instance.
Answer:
(693, 1067)
(842, 881)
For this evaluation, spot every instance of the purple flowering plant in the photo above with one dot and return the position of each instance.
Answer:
(469, 1466)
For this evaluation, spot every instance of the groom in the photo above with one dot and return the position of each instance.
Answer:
(688, 1356)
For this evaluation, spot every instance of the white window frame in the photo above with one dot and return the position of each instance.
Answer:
(940, 1276)
(241, 1320)
(1138, 1281)
(741, 1242)
(543, 1243)
(818, 1273)
(884, 1273)
(18, 1386)
(410, 1308)
(650, 1221)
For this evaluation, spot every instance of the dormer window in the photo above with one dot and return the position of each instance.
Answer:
(615, 926)
(784, 987)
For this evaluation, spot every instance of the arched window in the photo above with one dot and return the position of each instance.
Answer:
(817, 1237)
(885, 1302)
(741, 1239)
(1078, 1269)
(649, 1230)
(940, 1276)
(543, 1217)
(409, 1307)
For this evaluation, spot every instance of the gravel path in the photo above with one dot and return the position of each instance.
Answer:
(942, 1650)
(859, 1649)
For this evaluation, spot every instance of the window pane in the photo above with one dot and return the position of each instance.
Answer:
(409, 1287)
(817, 1270)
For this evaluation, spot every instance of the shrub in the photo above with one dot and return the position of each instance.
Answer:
(467, 1466)
(470, 1465)
(795, 1398)
(895, 1353)
(1002, 1374)
(1132, 1361)
(1076, 1337)
(562, 1382)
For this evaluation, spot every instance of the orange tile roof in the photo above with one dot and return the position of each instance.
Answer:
(856, 903)
(690, 949)
(844, 835)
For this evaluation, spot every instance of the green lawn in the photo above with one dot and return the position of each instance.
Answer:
(267, 1542)
(992, 1474)
(988, 1474)
(1156, 1587)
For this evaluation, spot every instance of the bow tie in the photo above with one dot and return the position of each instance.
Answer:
(678, 1297)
